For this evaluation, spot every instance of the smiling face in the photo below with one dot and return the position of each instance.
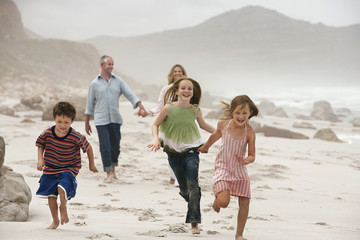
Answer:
(185, 91)
(107, 66)
(63, 124)
(241, 115)
(177, 73)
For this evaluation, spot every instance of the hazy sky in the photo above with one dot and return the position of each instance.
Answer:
(81, 19)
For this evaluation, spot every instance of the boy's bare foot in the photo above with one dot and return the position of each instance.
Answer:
(240, 238)
(54, 225)
(63, 214)
(216, 206)
(194, 228)
(172, 181)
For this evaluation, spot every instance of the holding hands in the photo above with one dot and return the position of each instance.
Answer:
(203, 149)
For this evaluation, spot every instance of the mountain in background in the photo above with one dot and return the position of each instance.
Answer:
(30, 63)
(48, 61)
(243, 49)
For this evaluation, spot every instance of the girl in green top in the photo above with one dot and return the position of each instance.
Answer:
(180, 138)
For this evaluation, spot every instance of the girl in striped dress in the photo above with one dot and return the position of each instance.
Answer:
(230, 177)
(176, 131)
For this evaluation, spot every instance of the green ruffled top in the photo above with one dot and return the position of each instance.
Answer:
(179, 132)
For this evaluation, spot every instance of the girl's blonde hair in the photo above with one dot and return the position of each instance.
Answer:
(242, 101)
(170, 95)
(171, 73)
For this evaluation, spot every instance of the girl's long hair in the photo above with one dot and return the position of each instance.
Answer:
(170, 95)
(242, 101)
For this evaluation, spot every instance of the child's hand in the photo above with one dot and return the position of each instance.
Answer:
(154, 146)
(243, 161)
(203, 149)
(93, 168)
(40, 164)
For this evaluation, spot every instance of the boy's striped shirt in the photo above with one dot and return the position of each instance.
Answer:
(62, 154)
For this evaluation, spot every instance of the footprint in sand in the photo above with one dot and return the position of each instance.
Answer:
(102, 236)
(152, 234)
(80, 224)
(177, 228)
(220, 222)
(149, 215)
(209, 232)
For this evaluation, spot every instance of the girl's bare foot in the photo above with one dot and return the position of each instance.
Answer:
(194, 228)
(216, 206)
(53, 225)
(63, 214)
(240, 238)
(108, 180)
(113, 173)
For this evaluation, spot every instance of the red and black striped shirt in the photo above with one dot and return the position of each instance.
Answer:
(62, 154)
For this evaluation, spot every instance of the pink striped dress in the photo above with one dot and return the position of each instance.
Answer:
(229, 174)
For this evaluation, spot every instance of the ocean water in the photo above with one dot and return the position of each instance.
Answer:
(301, 101)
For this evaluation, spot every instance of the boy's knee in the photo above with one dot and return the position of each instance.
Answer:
(61, 191)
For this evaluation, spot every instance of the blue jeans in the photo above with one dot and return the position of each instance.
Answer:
(186, 169)
(109, 140)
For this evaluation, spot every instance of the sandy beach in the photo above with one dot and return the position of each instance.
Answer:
(301, 189)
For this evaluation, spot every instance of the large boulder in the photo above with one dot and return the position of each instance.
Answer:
(268, 108)
(15, 194)
(327, 134)
(322, 110)
(356, 122)
(5, 110)
(282, 133)
(78, 102)
(15, 197)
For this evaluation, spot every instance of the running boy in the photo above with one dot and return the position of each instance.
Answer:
(60, 160)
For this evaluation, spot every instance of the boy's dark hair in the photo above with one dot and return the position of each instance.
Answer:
(64, 109)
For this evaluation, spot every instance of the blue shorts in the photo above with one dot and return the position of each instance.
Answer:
(49, 184)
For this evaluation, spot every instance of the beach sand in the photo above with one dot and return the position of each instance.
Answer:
(301, 189)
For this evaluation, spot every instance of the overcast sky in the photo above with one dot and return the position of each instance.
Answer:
(81, 19)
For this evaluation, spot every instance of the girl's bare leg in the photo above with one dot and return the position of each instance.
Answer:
(63, 210)
(216, 206)
(242, 217)
(222, 200)
(52, 201)
(114, 173)
(194, 228)
(108, 178)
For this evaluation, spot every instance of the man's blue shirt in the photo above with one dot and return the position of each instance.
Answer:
(103, 99)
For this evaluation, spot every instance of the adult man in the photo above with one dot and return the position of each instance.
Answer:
(103, 103)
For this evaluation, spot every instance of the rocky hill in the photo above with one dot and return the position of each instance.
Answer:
(47, 61)
(255, 44)
(31, 64)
